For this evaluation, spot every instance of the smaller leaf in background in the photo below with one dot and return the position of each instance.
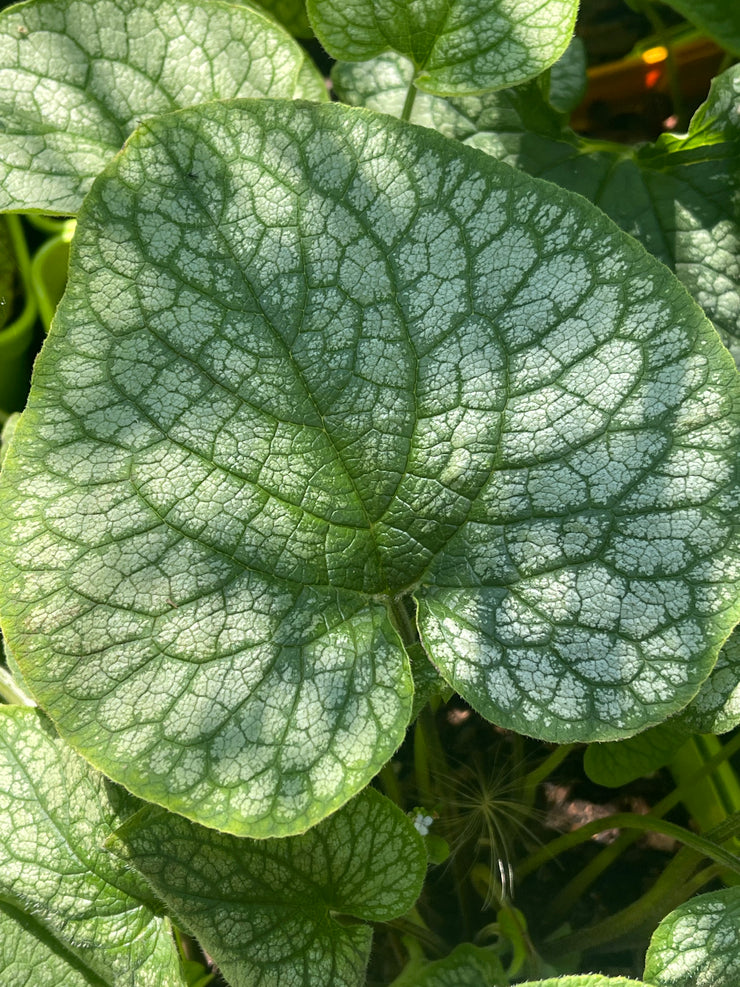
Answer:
(31, 956)
(466, 966)
(274, 912)
(77, 77)
(462, 46)
(720, 19)
(621, 761)
(698, 944)
(55, 814)
(290, 13)
(568, 77)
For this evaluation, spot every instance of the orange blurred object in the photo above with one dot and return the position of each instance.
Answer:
(628, 87)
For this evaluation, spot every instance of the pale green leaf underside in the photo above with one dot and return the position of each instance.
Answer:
(340, 360)
(55, 814)
(720, 19)
(77, 76)
(621, 761)
(680, 197)
(265, 910)
(457, 46)
(30, 956)
(698, 944)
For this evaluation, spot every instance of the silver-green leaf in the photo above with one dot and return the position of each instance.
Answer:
(716, 706)
(55, 815)
(310, 362)
(698, 944)
(77, 76)
(456, 46)
(274, 912)
(585, 980)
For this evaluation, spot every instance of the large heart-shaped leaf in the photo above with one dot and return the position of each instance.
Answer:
(55, 815)
(274, 912)
(456, 46)
(680, 196)
(698, 944)
(311, 363)
(77, 76)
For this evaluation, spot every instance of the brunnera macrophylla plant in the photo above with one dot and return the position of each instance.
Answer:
(333, 407)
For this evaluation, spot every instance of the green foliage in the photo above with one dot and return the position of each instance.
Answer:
(339, 414)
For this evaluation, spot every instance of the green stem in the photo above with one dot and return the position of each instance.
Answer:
(409, 101)
(631, 820)
(535, 777)
(674, 886)
(391, 787)
(11, 693)
(435, 944)
(575, 889)
(404, 623)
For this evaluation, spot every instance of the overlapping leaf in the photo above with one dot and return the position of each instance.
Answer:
(77, 76)
(680, 196)
(698, 944)
(309, 362)
(716, 707)
(55, 814)
(456, 46)
(268, 911)
(720, 19)
(585, 980)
